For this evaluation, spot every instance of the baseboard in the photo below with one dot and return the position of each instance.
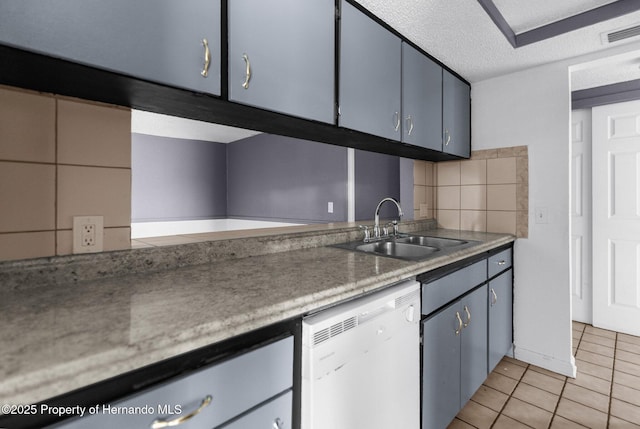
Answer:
(565, 367)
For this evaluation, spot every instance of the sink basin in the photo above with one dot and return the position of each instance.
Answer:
(410, 247)
(398, 250)
(431, 241)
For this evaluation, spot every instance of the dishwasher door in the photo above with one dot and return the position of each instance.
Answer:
(361, 363)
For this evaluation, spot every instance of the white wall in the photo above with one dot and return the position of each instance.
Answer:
(532, 108)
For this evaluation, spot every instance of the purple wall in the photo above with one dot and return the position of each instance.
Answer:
(377, 176)
(282, 178)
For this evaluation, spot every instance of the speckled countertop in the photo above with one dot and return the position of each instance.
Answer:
(58, 338)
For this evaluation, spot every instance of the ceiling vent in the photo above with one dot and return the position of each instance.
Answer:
(621, 34)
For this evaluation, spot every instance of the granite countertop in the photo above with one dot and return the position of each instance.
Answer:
(59, 338)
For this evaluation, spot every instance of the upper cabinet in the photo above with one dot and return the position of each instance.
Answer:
(370, 75)
(421, 99)
(281, 56)
(176, 43)
(456, 115)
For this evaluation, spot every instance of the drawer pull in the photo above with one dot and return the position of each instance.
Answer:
(207, 58)
(494, 297)
(247, 72)
(161, 423)
(278, 423)
(410, 125)
(503, 262)
(447, 137)
(396, 121)
(466, 310)
(459, 323)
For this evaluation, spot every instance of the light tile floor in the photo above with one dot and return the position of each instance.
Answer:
(604, 394)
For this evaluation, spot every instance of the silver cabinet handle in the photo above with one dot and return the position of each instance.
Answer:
(278, 423)
(501, 262)
(247, 77)
(396, 120)
(207, 58)
(409, 124)
(447, 137)
(466, 310)
(162, 423)
(494, 297)
(459, 324)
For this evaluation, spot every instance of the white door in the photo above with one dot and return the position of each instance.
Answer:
(616, 217)
(581, 292)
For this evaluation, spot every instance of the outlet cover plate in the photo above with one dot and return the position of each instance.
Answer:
(88, 234)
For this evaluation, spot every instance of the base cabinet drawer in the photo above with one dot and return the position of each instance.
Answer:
(276, 414)
(441, 291)
(210, 396)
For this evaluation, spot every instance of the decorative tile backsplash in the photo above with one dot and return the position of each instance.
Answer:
(59, 158)
(489, 192)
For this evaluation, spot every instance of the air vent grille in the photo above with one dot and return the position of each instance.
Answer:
(334, 330)
(407, 298)
(625, 33)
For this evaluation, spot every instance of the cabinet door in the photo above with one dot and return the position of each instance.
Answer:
(456, 115)
(370, 75)
(473, 360)
(441, 367)
(281, 56)
(500, 317)
(158, 40)
(421, 99)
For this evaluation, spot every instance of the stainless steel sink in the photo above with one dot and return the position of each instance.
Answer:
(398, 250)
(431, 241)
(410, 247)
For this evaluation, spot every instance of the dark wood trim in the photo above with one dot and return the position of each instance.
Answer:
(566, 25)
(607, 94)
(499, 21)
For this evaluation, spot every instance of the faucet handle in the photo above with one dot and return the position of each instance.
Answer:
(367, 233)
(395, 228)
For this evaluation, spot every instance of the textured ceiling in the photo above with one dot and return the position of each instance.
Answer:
(524, 15)
(460, 34)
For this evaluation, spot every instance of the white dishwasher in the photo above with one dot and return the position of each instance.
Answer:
(361, 362)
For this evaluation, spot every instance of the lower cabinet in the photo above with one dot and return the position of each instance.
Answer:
(500, 317)
(454, 360)
(466, 331)
(248, 391)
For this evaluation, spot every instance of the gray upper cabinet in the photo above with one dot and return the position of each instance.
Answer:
(281, 56)
(456, 116)
(370, 76)
(170, 42)
(421, 99)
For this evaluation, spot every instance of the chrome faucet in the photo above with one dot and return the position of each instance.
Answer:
(376, 226)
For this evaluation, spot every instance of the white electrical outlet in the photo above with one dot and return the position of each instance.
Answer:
(330, 207)
(88, 234)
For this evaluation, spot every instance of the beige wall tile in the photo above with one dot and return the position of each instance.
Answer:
(27, 197)
(27, 126)
(117, 238)
(426, 211)
(473, 172)
(25, 245)
(449, 219)
(419, 196)
(522, 196)
(473, 197)
(501, 197)
(419, 172)
(430, 197)
(522, 169)
(430, 169)
(503, 222)
(484, 154)
(90, 134)
(448, 198)
(64, 242)
(501, 170)
(94, 191)
(448, 173)
(473, 220)
(522, 224)
(417, 215)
